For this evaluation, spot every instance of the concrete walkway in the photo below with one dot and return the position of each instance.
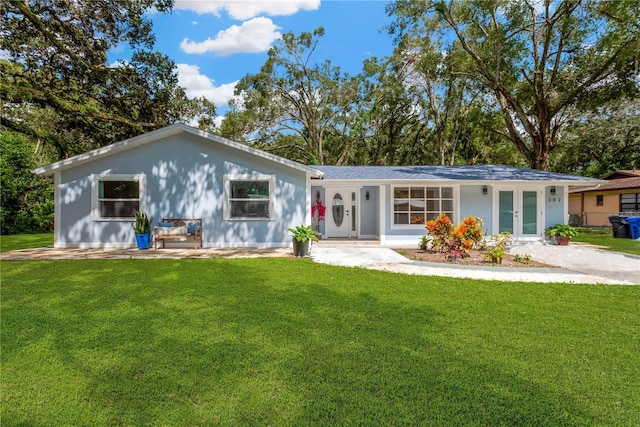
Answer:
(576, 264)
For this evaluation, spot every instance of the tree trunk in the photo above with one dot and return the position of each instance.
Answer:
(542, 150)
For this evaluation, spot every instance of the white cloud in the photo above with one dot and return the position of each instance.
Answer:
(118, 64)
(246, 9)
(197, 85)
(253, 36)
(217, 121)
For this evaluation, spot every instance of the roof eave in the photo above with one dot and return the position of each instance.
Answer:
(469, 181)
(114, 148)
(155, 135)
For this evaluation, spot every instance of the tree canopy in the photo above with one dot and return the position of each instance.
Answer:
(297, 106)
(57, 54)
(60, 97)
(535, 60)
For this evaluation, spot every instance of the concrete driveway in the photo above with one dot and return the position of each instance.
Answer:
(586, 259)
(576, 264)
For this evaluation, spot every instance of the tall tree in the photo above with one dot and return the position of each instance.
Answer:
(537, 59)
(600, 141)
(294, 95)
(423, 112)
(443, 94)
(57, 59)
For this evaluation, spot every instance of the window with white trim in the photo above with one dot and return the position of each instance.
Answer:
(413, 205)
(250, 197)
(116, 197)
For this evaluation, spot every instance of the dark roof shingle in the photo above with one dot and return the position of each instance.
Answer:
(443, 173)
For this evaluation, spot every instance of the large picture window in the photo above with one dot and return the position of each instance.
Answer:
(630, 202)
(116, 197)
(415, 205)
(250, 197)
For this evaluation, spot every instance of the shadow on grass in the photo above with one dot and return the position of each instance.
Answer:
(275, 342)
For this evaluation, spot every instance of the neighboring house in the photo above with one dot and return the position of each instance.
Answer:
(249, 198)
(619, 195)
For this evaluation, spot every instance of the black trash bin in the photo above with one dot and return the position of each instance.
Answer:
(620, 227)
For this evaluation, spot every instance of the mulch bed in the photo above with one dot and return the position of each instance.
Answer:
(476, 258)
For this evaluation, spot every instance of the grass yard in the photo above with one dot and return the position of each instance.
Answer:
(291, 342)
(25, 241)
(603, 237)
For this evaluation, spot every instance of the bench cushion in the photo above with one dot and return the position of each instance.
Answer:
(192, 227)
(172, 231)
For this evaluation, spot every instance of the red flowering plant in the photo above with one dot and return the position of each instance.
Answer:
(319, 210)
(455, 240)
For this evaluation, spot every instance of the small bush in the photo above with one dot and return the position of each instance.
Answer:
(525, 258)
(499, 243)
(455, 240)
(424, 242)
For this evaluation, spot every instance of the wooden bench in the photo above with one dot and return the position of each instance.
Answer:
(158, 234)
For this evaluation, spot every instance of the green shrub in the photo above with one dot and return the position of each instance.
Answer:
(497, 249)
(26, 199)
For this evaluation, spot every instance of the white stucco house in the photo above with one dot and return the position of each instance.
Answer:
(249, 198)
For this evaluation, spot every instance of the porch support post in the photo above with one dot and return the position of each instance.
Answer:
(382, 214)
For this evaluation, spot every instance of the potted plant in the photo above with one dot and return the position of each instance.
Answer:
(142, 228)
(562, 233)
(302, 236)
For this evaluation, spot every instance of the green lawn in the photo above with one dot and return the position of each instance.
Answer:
(290, 342)
(24, 241)
(603, 237)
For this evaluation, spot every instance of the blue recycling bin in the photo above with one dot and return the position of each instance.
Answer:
(634, 224)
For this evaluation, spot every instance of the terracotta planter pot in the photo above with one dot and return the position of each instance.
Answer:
(562, 241)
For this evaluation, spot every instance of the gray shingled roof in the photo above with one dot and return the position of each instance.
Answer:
(440, 173)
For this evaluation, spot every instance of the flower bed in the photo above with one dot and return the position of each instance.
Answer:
(475, 258)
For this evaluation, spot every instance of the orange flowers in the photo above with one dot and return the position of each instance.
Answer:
(456, 240)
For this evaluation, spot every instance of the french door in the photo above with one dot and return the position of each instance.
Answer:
(342, 212)
(519, 212)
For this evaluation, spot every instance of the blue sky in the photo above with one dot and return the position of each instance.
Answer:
(216, 42)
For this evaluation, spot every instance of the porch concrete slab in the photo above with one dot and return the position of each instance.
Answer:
(386, 259)
(51, 253)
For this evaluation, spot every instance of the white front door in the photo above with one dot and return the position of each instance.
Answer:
(520, 212)
(342, 210)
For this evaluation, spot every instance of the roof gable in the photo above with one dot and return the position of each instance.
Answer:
(160, 134)
(621, 174)
(614, 184)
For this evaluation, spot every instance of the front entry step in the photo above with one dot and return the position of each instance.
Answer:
(347, 242)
